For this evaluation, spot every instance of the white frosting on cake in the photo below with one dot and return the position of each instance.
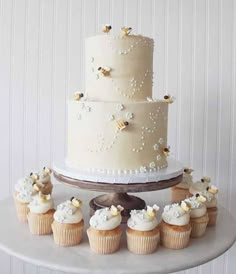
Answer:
(140, 220)
(67, 213)
(130, 60)
(104, 219)
(97, 142)
(198, 208)
(40, 206)
(175, 215)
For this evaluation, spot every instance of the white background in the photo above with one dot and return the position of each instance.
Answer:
(42, 64)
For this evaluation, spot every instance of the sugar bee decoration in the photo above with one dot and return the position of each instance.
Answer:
(166, 151)
(46, 171)
(76, 202)
(78, 95)
(124, 31)
(169, 99)
(152, 210)
(106, 28)
(188, 170)
(200, 198)
(34, 176)
(104, 71)
(121, 125)
(185, 206)
(44, 198)
(115, 210)
(212, 189)
(206, 179)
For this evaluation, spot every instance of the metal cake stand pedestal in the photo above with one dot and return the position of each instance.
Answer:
(118, 186)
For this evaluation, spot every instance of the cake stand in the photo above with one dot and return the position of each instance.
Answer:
(16, 240)
(117, 186)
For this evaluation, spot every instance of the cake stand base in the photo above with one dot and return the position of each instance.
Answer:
(128, 202)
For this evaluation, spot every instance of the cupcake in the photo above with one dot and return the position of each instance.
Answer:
(175, 226)
(26, 184)
(68, 223)
(181, 191)
(143, 235)
(43, 182)
(211, 204)
(105, 231)
(199, 186)
(198, 215)
(40, 216)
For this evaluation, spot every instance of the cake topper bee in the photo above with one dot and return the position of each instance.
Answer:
(206, 179)
(105, 71)
(115, 210)
(76, 202)
(200, 198)
(46, 171)
(78, 95)
(188, 170)
(169, 99)
(185, 206)
(34, 176)
(166, 151)
(44, 198)
(212, 189)
(106, 28)
(125, 31)
(152, 210)
(122, 124)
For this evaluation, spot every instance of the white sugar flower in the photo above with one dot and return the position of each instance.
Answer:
(111, 117)
(155, 147)
(161, 141)
(158, 157)
(129, 115)
(152, 165)
(143, 169)
(120, 107)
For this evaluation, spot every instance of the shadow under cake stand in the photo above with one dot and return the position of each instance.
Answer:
(117, 187)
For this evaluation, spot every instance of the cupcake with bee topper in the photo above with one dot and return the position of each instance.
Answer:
(181, 191)
(175, 227)
(198, 215)
(40, 216)
(105, 231)
(210, 193)
(68, 223)
(143, 235)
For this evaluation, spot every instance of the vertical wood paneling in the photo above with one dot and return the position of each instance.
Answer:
(41, 65)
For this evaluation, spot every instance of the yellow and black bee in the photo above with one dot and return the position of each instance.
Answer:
(106, 28)
(188, 170)
(121, 124)
(34, 176)
(169, 99)
(185, 206)
(76, 202)
(43, 197)
(166, 151)
(46, 171)
(115, 210)
(105, 71)
(125, 31)
(200, 198)
(206, 179)
(212, 189)
(78, 95)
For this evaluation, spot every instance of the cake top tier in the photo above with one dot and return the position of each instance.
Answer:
(118, 68)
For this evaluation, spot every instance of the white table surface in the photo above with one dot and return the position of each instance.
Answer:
(16, 240)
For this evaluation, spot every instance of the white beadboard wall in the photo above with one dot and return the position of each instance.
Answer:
(42, 64)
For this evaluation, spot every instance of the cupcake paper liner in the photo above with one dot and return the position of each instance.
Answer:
(212, 217)
(40, 224)
(22, 210)
(179, 194)
(104, 244)
(142, 244)
(198, 228)
(67, 234)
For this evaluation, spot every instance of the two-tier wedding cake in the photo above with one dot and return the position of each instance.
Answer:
(114, 126)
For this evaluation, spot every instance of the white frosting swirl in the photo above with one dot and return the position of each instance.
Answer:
(25, 184)
(175, 215)
(140, 220)
(198, 187)
(24, 197)
(104, 220)
(186, 181)
(211, 200)
(67, 213)
(40, 206)
(198, 209)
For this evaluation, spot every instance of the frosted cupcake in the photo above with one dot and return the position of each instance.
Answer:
(198, 215)
(68, 223)
(211, 204)
(40, 216)
(199, 186)
(143, 235)
(181, 191)
(22, 200)
(175, 226)
(25, 184)
(105, 231)
(43, 182)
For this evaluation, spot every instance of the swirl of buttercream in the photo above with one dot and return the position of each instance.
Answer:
(186, 181)
(175, 215)
(198, 209)
(103, 219)
(211, 200)
(40, 206)
(67, 213)
(140, 220)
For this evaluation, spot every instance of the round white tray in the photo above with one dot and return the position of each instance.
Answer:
(174, 169)
(16, 240)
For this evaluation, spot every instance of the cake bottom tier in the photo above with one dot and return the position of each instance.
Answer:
(115, 138)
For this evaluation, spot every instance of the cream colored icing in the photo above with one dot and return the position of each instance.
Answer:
(186, 182)
(25, 196)
(198, 209)
(40, 206)
(175, 215)
(25, 184)
(67, 213)
(198, 187)
(140, 220)
(211, 200)
(103, 219)
(96, 143)
(130, 63)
